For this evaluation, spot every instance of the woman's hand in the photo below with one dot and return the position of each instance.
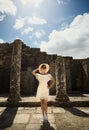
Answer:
(49, 86)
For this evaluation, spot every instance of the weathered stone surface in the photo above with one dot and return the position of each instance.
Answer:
(17, 127)
(33, 102)
(31, 59)
(27, 82)
(72, 119)
(58, 110)
(5, 64)
(68, 61)
(14, 95)
(61, 94)
(28, 110)
(46, 126)
(33, 126)
(36, 118)
(76, 70)
(21, 118)
(80, 75)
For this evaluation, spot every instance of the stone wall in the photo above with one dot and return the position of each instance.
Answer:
(31, 59)
(5, 64)
(85, 74)
(77, 74)
(68, 62)
(76, 71)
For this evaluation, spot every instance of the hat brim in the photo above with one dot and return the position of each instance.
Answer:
(47, 67)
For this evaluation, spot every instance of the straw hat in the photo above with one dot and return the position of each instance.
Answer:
(45, 65)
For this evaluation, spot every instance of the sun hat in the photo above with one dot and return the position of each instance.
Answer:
(43, 65)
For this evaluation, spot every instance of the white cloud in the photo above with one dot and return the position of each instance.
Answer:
(2, 41)
(35, 3)
(36, 20)
(64, 25)
(72, 41)
(63, 1)
(27, 30)
(7, 7)
(2, 17)
(19, 23)
(35, 43)
(39, 34)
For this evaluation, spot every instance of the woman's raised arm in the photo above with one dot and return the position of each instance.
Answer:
(35, 71)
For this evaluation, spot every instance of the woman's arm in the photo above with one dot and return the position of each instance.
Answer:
(52, 82)
(35, 71)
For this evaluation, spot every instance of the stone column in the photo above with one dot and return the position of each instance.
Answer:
(14, 95)
(61, 94)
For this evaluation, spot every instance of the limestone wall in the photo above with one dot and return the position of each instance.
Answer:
(79, 75)
(76, 71)
(5, 64)
(31, 59)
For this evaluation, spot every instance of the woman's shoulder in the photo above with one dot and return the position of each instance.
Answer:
(48, 74)
(37, 75)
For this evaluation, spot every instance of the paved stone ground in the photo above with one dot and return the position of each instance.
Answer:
(29, 118)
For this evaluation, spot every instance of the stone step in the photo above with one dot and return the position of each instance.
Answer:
(77, 101)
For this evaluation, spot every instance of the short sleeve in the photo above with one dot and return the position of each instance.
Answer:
(37, 76)
(49, 76)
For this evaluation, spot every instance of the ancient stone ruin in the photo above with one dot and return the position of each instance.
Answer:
(18, 60)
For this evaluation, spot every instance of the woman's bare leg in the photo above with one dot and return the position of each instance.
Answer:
(45, 106)
(44, 109)
(42, 106)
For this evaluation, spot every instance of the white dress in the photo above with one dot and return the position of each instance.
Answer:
(43, 90)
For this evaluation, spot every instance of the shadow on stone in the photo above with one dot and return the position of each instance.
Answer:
(77, 94)
(46, 126)
(77, 112)
(7, 117)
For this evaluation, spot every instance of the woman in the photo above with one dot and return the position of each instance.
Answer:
(43, 89)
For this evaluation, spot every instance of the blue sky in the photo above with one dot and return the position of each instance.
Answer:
(55, 26)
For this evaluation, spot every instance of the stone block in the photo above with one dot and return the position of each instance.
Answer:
(58, 110)
(21, 118)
